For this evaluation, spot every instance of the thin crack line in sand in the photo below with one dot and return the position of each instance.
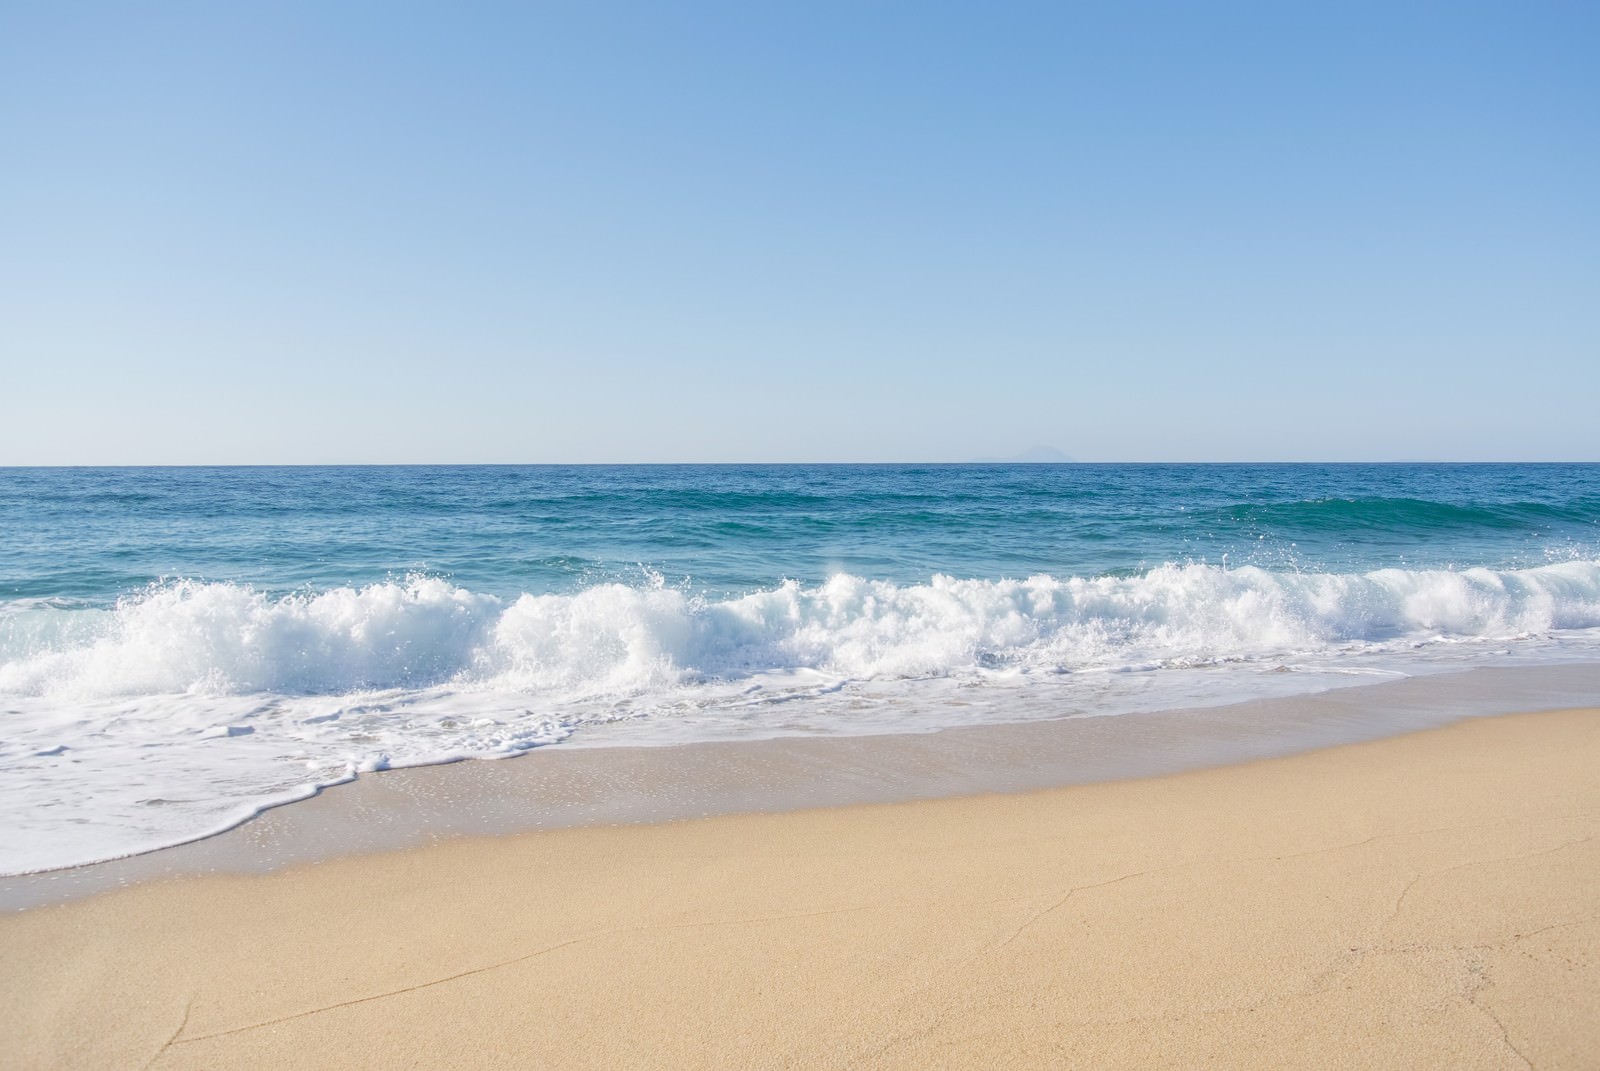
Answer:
(1036, 916)
(187, 1008)
(1318, 851)
(1500, 945)
(1412, 884)
(1505, 1036)
(1424, 832)
(176, 1040)
(395, 992)
(1280, 858)
(1400, 900)
(1584, 921)
(1318, 985)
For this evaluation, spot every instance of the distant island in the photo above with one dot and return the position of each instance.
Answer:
(1043, 455)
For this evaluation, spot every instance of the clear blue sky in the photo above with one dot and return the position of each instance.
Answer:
(235, 233)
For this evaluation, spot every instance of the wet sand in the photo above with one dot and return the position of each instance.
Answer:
(600, 781)
(1429, 900)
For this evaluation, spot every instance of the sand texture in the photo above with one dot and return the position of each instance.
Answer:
(1428, 901)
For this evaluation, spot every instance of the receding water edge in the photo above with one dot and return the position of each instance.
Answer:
(564, 787)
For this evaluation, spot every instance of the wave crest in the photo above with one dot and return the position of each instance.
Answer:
(220, 638)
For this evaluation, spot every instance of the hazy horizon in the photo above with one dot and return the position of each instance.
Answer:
(1219, 462)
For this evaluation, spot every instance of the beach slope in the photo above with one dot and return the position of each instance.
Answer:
(1425, 901)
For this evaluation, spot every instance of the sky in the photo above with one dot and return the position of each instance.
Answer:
(590, 232)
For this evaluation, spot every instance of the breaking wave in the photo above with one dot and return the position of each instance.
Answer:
(614, 639)
(188, 707)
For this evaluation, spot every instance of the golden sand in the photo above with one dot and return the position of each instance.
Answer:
(1428, 901)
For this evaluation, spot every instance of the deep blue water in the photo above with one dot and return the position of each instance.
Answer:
(96, 534)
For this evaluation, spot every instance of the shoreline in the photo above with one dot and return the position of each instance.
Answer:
(596, 785)
(1418, 900)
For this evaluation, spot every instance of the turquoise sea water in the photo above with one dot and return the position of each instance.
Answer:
(179, 647)
(97, 535)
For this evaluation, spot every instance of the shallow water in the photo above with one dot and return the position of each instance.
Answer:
(564, 787)
(180, 648)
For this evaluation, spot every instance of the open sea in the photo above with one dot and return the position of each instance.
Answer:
(182, 647)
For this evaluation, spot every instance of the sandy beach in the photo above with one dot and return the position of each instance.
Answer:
(1428, 900)
(653, 536)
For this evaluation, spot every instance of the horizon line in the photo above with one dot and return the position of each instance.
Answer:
(763, 464)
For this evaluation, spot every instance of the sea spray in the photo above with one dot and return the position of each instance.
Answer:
(223, 639)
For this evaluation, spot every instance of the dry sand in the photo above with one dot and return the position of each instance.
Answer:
(1427, 901)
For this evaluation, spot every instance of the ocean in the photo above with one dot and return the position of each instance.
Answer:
(183, 647)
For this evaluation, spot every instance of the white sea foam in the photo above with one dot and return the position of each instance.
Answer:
(189, 706)
(225, 639)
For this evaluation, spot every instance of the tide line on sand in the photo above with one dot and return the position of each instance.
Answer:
(1421, 901)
